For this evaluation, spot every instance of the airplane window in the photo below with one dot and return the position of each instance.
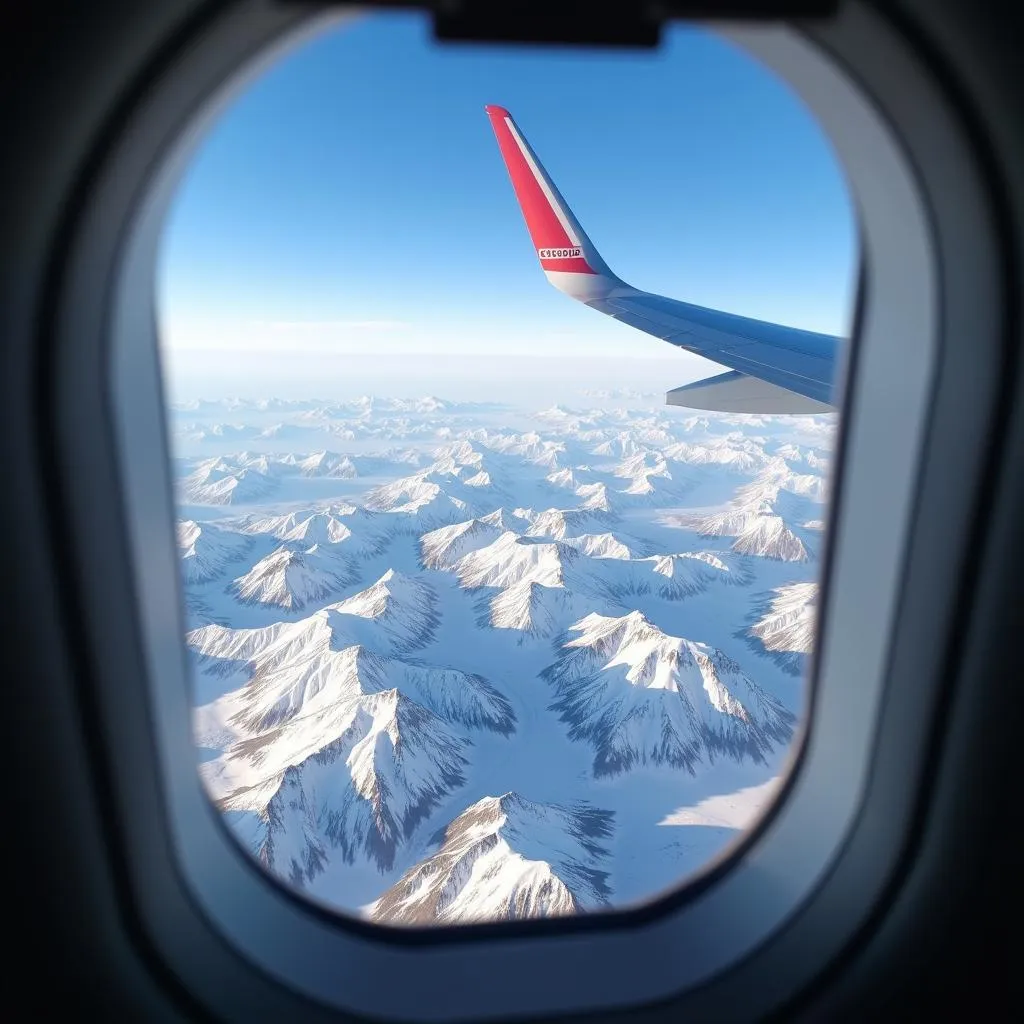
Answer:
(498, 606)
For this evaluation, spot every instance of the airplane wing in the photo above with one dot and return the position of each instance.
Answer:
(774, 369)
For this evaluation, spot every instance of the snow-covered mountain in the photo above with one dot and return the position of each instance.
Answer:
(690, 572)
(360, 531)
(567, 478)
(360, 745)
(289, 672)
(786, 629)
(506, 858)
(327, 464)
(292, 579)
(558, 523)
(640, 696)
(761, 518)
(217, 482)
(736, 454)
(441, 549)
(532, 609)
(394, 616)
(402, 609)
(361, 773)
(421, 502)
(207, 551)
(417, 604)
(515, 559)
(594, 497)
(397, 613)
(769, 536)
(605, 545)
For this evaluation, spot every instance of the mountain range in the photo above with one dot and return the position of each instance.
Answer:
(463, 671)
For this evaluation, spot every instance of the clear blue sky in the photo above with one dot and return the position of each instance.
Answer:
(352, 200)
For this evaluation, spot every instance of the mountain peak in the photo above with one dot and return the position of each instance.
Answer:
(787, 627)
(403, 608)
(442, 548)
(506, 857)
(691, 572)
(532, 608)
(513, 559)
(207, 551)
(291, 579)
(641, 696)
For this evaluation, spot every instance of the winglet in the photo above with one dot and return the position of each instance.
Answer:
(738, 392)
(566, 254)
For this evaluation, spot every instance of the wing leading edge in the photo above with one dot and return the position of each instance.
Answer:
(773, 368)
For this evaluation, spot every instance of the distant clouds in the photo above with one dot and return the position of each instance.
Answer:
(226, 333)
(387, 337)
(321, 325)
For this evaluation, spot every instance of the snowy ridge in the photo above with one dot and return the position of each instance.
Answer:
(640, 696)
(595, 497)
(461, 452)
(559, 523)
(514, 559)
(691, 572)
(206, 551)
(529, 446)
(603, 545)
(351, 747)
(534, 610)
(636, 465)
(787, 628)
(360, 531)
(394, 616)
(365, 771)
(403, 608)
(279, 690)
(564, 478)
(757, 519)
(327, 464)
(506, 858)
(738, 454)
(216, 482)
(292, 579)
(770, 537)
(420, 501)
(441, 549)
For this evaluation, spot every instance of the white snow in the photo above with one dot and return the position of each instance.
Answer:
(292, 579)
(641, 696)
(731, 810)
(442, 548)
(506, 858)
(531, 608)
(602, 545)
(788, 624)
(514, 559)
(456, 662)
(207, 551)
(216, 482)
(309, 526)
(690, 572)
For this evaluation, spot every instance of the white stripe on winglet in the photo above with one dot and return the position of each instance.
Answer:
(542, 181)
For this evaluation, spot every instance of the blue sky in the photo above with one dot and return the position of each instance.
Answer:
(351, 204)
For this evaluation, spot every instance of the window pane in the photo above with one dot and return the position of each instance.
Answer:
(481, 625)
